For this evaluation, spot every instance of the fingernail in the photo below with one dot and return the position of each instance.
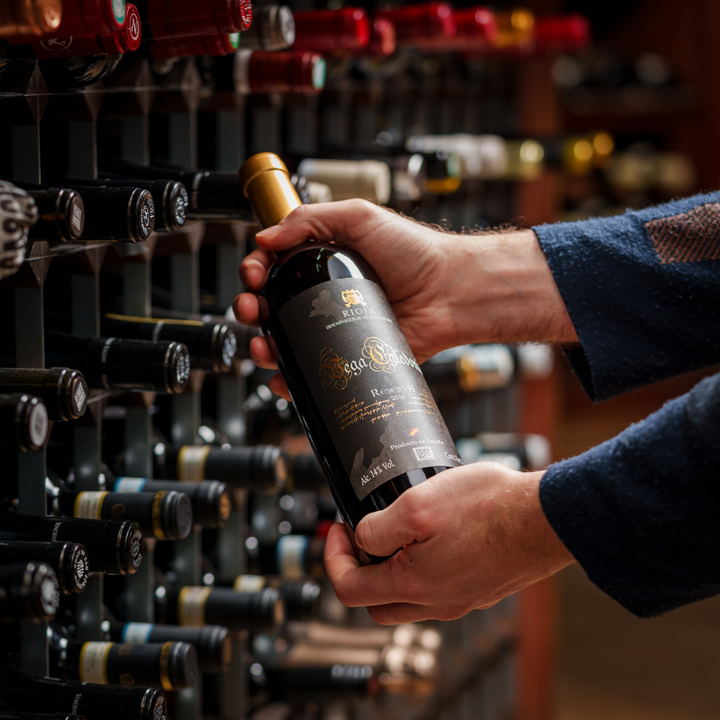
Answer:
(268, 232)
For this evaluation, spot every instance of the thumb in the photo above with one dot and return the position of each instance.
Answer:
(324, 221)
(408, 520)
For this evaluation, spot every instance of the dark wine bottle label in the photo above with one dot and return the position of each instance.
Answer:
(366, 383)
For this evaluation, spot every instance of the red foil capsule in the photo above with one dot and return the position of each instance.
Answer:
(124, 40)
(194, 46)
(322, 30)
(417, 24)
(172, 19)
(476, 25)
(562, 34)
(84, 17)
(257, 71)
(383, 41)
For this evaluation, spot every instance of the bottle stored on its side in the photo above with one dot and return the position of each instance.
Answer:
(212, 346)
(471, 369)
(64, 391)
(163, 515)
(304, 473)
(210, 499)
(28, 693)
(121, 364)
(212, 642)
(300, 597)
(29, 592)
(168, 665)
(215, 196)
(362, 398)
(18, 213)
(347, 28)
(261, 467)
(339, 682)
(115, 214)
(196, 606)
(69, 560)
(113, 546)
(293, 557)
(366, 179)
(255, 72)
(62, 215)
(273, 28)
(24, 422)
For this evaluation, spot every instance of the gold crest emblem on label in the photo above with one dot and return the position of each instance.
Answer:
(352, 297)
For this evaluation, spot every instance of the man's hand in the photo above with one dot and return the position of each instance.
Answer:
(446, 289)
(470, 536)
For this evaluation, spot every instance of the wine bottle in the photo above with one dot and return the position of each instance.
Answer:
(211, 346)
(29, 17)
(24, 422)
(197, 606)
(210, 499)
(212, 642)
(260, 468)
(18, 213)
(169, 197)
(323, 30)
(163, 515)
(293, 557)
(339, 682)
(28, 693)
(116, 214)
(273, 28)
(215, 45)
(301, 598)
(364, 403)
(471, 369)
(161, 21)
(418, 25)
(28, 592)
(366, 179)
(62, 215)
(125, 39)
(256, 72)
(69, 560)
(120, 364)
(64, 391)
(213, 195)
(113, 546)
(74, 73)
(304, 473)
(168, 665)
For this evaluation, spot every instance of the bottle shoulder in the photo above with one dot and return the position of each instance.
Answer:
(311, 264)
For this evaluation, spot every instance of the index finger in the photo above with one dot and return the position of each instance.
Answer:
(356, 585)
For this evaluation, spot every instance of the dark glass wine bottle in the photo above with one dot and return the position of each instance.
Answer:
(113, 546)
(196, 606)
(212, 642)
(168, 665)
(170, 198)
(304, 473)
(24, 422)
(114, 214)
(69, 560)
(64, 391)
(273, 28)
(212, 346)
(339, 682)
(28, 693)
(357, 388)
(293, 557)
(121, 364)
(29, 592)
(214, 196)
(300, 597)
(210, 499)
(18, 213)
(261, 467)
(163, 515)
(62, 215)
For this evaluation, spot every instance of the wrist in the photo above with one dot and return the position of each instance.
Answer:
(508, 290)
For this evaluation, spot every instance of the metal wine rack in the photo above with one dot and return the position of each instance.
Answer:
(139, 117)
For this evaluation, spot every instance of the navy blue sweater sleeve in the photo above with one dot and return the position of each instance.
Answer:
(642, 290)
(641, 512)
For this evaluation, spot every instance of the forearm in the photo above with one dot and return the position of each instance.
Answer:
(506, 292)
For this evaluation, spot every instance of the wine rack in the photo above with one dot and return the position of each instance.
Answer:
(141, 116)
